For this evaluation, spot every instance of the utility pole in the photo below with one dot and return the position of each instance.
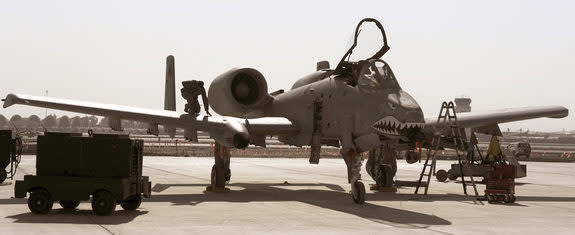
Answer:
(46, 111)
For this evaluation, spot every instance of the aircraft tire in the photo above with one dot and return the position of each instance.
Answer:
(228, 175)
(358, 193)
(217, 178)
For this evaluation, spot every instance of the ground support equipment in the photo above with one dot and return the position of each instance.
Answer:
(500, 186)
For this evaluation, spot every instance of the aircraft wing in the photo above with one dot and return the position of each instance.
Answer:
(487, 119)
(223, 129)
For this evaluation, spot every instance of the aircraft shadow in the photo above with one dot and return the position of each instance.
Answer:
(336, 198)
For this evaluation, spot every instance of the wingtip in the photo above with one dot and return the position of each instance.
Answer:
(10, 100)
(561, 112)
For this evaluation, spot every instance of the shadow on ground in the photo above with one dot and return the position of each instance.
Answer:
(64, 216)
(334, 198)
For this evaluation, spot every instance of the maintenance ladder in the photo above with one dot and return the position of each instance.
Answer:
(446, 116)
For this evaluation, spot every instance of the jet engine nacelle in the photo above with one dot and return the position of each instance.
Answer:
(240, 92)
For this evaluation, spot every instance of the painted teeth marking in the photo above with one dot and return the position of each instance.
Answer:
(391, 126)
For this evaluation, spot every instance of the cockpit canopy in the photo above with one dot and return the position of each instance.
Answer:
(376, 74)
(371, 73)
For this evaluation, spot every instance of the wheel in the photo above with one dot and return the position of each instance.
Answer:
(228, 175)
(132, 203)
(103, 203)
(69, 204)
(507, 198)
(358, 192)
(3, 175)
(491, 198)
(451, 174)
(213, 176)
(513, 198)
(441, 175)
(40, 201)
(217, 178)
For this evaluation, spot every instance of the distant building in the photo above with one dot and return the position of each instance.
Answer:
(64, 122)
(462, 105)
(50, 121)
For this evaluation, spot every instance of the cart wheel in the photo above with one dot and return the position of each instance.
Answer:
(103, 203)
(40, 201)
(358, 192)
(490, 198)
(132, 203)
(512, 198)
(451, 174)
(507, 198)
(69, 204)
(441, 175)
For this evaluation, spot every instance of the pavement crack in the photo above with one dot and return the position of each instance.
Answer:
(107, 230)
(174, 173)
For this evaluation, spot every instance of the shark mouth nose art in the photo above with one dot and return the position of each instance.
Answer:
(391, 126)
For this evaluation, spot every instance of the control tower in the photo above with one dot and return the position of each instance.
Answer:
(462, 105)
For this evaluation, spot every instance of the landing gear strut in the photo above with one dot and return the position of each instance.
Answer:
(221, 172)
(382, 166)
(353, 162)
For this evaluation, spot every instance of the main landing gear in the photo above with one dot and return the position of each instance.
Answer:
(353, 162)
(221, 173)
(382, 166)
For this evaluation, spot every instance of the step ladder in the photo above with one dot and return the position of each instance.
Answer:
(447, 117)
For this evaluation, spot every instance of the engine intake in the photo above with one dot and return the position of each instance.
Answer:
(240, 92)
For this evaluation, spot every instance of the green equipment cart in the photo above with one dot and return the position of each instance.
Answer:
(10, 151)
(70, 168)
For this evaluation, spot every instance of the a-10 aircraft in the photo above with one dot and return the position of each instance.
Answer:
(358, 106)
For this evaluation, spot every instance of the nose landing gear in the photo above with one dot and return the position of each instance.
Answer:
(353, 162)
(358, 192)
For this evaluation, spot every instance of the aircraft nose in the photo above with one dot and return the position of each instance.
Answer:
(408, 108)
(414, 116)
(407, 102)
(403, 100)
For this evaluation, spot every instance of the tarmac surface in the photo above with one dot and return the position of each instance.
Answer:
(314, 200)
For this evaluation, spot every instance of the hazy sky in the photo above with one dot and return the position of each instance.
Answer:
(499, 53)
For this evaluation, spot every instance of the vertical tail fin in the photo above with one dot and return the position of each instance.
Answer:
(170, 92)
